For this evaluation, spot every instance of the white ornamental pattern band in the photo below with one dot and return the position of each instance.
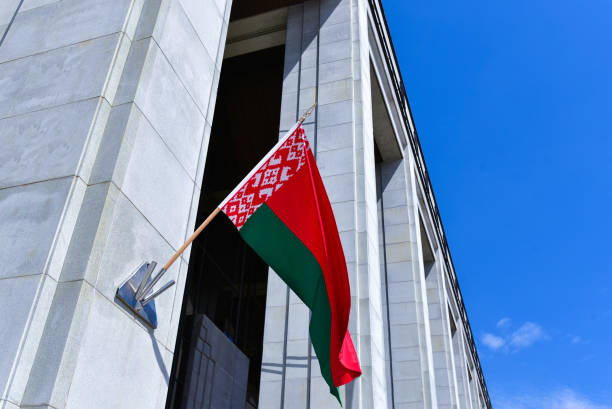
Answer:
(285, 162)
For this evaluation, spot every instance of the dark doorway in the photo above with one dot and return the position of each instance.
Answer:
(222, 318)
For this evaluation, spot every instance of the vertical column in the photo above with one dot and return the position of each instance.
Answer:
(337, 149)
(368, 300)
(403, 315)
(474, 388)
(464, 367)
(440, 336)
(460, 368)
(428, 372)
(384, 292)
(323, 64)
(448, 317)
(285, 365)
(409, 324)
(113, 137)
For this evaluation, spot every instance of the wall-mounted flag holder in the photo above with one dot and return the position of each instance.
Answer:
(136, 293)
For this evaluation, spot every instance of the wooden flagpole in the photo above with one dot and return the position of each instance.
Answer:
(215, 212)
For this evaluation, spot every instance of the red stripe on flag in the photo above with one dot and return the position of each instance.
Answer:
(302, 204)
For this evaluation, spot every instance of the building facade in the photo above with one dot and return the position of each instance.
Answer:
(123, 123)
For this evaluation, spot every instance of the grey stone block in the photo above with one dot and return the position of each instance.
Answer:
(24, 359)
(180, 43)
(401, 354)
(60, 24)
(308, 58)
(308, 78)
(398, 252)
(298, 322)
(396, 215)
(16, 298)
(272, 359)
(339, 50)
(269, 393)
(335, 113)
(274, 328)
(44, 144)
(130, 77)
(56, 77)
(335, 91)
(402, 313)
(170, 109)
(397, 233)
(435, 312)
(88, 228)
(335, 162)
(51, 374)
(437, 342)
(407, 391)
(206, 17)
(344, 214)
(335, 71)
(406, 370)
(116, 134)
(331, 33)
(295, 392)
(395, 198)
(335, 137)
(109, 351)
(288, 115)
(403, 336)
(401, 292)
(397, 272)
(153, 179)
(348, 245)
(30, 215)
(127, 240)
(340, 188)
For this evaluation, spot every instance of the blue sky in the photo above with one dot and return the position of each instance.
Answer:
(512, 100)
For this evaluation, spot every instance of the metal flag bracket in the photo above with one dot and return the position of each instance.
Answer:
(137, 292)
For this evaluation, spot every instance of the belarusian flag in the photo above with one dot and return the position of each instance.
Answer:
(282, 211)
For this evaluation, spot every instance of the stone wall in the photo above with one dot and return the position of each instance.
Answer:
(105, 112)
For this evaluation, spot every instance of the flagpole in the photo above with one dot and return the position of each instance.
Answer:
(215, 212)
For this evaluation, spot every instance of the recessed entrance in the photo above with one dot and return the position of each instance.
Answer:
(217, 358)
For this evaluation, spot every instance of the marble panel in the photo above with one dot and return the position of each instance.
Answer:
(30, 214)
(56, 77)
(45, 144)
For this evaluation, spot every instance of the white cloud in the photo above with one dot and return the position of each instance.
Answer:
(561, 399)
(511, 341)
(504, 322)
(528, 334)
(492, 341)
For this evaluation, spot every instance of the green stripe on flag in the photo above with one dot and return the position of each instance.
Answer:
(276, 244)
